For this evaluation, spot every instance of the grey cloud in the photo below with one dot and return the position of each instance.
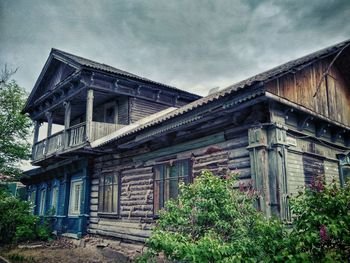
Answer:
(194, 45)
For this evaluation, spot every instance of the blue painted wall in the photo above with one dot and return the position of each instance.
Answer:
(62, 177)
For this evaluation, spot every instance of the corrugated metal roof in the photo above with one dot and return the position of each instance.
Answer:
(273, 73)
(103, 67)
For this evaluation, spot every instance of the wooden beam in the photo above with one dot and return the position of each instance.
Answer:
(58, 103)
(304, 110)
(89, 113)
(338, 134)
(132, 93)
(321, 129)
(303, 121)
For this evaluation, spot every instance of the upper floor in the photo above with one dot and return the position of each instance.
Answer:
(80, 101)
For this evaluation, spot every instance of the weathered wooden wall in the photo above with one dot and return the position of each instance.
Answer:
(332, 99)
(140, 108)
(311, 149)
(220, 153)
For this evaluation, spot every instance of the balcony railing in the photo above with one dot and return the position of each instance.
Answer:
(73, 137)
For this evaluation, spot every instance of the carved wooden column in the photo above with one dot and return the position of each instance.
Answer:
(49, 130)
(49, 123)
(67, 114)
(89, 113)
(37, 125)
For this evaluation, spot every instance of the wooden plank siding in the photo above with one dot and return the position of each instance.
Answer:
(136, 200)
(332, 99)
(140, 108)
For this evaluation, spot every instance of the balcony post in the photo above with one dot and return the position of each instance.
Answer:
(48, 115)
(49, 123)
(37, 125)
(67, 114)
(89, 113)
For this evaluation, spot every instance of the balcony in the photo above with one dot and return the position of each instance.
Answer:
(70, 139)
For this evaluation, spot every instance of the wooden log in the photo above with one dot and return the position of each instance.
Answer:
(136, 177)
(117, 235)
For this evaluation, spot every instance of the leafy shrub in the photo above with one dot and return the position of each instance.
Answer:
(211, 221)
(321, 230)
(17, 223)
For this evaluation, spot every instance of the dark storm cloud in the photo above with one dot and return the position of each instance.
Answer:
(194, 45)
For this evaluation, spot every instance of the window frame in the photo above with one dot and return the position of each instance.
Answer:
(32, 199)
(344, 162)
(161, 166)
(55, 206)
(101, 211)
(42, 202)
(72, 198)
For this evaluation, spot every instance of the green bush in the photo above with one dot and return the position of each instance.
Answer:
(211, 221)
(17, 223)
(321, 229)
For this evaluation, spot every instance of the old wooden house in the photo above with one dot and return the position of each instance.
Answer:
(128, 141)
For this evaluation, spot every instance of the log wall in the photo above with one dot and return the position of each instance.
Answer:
(136, 201)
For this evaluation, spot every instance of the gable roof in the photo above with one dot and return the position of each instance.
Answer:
(109, 69)
(291, 66)
(84, 63)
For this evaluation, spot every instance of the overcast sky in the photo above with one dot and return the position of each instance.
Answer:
(193, 45)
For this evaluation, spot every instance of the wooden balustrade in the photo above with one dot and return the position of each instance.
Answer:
(76, 134)
(101, 129)
(72, 137)
(54, 142)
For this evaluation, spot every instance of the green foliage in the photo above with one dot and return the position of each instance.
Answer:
(17, 223)
(321, 229)
(211, 221)
(14, 126)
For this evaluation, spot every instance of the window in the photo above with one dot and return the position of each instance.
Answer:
(109, 194)
(346, 173)
(54, 199)
(31, 199)
(344, 162)
(75, 197)
(167, 179)
(42, 202)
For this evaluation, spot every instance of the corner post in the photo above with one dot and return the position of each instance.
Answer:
(257, 138)
(278, 171)
(89, 113)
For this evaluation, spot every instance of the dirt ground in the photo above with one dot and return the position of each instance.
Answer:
(66, 251)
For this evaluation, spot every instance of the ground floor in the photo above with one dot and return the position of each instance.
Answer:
(119, 195)
(60, 196)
